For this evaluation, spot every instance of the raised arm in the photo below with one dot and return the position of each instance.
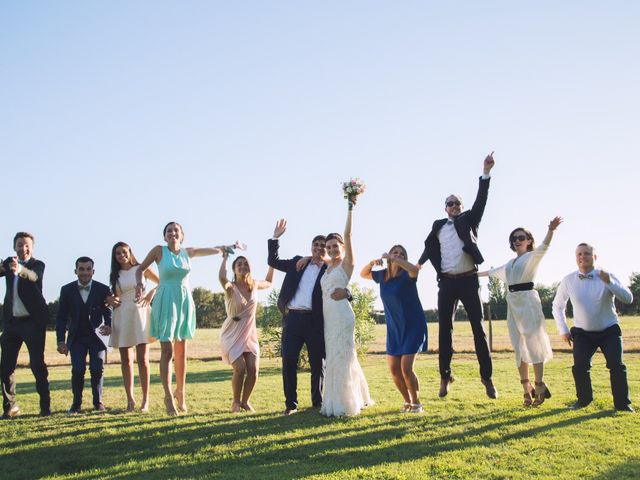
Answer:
(477, 210)
(274, 259)
(203, 252)
(366, 270)
(410, 268)
(553, 224)
(268, 279)
(222, 273)
(348, 263)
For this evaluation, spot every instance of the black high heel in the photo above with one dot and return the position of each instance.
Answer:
(544, 394)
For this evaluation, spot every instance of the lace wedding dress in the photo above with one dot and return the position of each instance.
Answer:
(345, 389)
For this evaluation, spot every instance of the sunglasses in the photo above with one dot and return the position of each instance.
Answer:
(519, 238)
(451, 204)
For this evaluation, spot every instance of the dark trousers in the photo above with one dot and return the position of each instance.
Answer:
(82, 345)
(465, 290)
(299, 329)
(585, 345)
(33, 333)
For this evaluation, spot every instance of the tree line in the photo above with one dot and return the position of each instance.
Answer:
(211, 313)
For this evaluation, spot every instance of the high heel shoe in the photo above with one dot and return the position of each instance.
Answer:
(528, 396)
(541, 393)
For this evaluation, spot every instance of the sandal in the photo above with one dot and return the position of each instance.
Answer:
(528, 397)
(416, 408)
(541, 393)
(406, 407)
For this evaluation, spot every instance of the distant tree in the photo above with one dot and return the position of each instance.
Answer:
(363, 307)
(270, 323)
(497, 299)
(547, 294)
(53, 313)
(210, 309)
(632, 308)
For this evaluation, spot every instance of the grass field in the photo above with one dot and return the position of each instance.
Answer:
(463, 436)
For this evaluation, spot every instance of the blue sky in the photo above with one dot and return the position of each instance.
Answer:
(117, 117)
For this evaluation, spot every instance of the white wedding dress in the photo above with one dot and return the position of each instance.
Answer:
(345, 389)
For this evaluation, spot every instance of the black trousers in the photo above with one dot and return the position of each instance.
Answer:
(33, 333)
(585, 345)
(300, 329)
(465, 290)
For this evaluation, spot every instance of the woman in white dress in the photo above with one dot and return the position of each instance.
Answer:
(525, 319)
(345, 389)
(131, 321)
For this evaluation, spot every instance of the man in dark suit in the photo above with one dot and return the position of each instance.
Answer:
(25, 320)
(83, 310)
(451, 247)
(300, 302)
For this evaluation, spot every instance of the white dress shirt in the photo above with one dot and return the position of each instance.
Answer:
(19, 310)
(592, 300)
(83, 292)
(454, 259)
(302, 300)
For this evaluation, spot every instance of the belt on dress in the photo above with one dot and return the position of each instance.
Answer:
(459, 275)
(521, 287)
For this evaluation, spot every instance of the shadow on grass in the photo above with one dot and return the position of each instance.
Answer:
(220, 446)
(628, 470)
(116, 381)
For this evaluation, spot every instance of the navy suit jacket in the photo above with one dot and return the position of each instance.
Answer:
(29, 292)
(73, 310)
(292, 280)
(466, 225)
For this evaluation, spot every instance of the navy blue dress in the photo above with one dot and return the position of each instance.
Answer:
(406, 323)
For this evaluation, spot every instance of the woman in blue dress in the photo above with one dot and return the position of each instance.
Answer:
(173, 313)
(406, 323)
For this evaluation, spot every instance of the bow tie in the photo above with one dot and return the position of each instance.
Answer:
(449, 222)
(588, 276)
(84, 287)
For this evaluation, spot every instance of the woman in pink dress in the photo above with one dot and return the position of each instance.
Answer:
(239, 336)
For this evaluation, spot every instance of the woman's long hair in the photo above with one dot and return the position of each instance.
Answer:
(115, 266)
(250, 281)
(387, 272)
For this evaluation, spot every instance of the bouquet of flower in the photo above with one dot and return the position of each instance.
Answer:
(230, 249)
(352, 189)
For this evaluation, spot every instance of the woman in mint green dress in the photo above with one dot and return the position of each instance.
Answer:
(173, 313)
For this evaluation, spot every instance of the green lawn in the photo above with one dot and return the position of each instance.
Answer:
(464, 436)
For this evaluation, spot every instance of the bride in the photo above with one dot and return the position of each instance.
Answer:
(345, 388)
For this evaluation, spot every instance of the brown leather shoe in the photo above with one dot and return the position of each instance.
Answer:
(444, 386)
(12, 412)
(492, 392)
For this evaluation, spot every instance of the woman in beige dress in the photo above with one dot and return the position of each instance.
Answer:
(130, 326)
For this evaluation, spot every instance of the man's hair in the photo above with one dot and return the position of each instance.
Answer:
(588, 245)
(453, 195)
(84, 260)
(22, 235)
(318, 238)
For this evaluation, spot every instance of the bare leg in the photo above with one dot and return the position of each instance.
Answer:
(538, 371)
(410, 379)
(253, 365)
(239, 371)
(181, 373)
(394, 363)
(126, 365)
(523, 369)
(166, 355)
(142, 357)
